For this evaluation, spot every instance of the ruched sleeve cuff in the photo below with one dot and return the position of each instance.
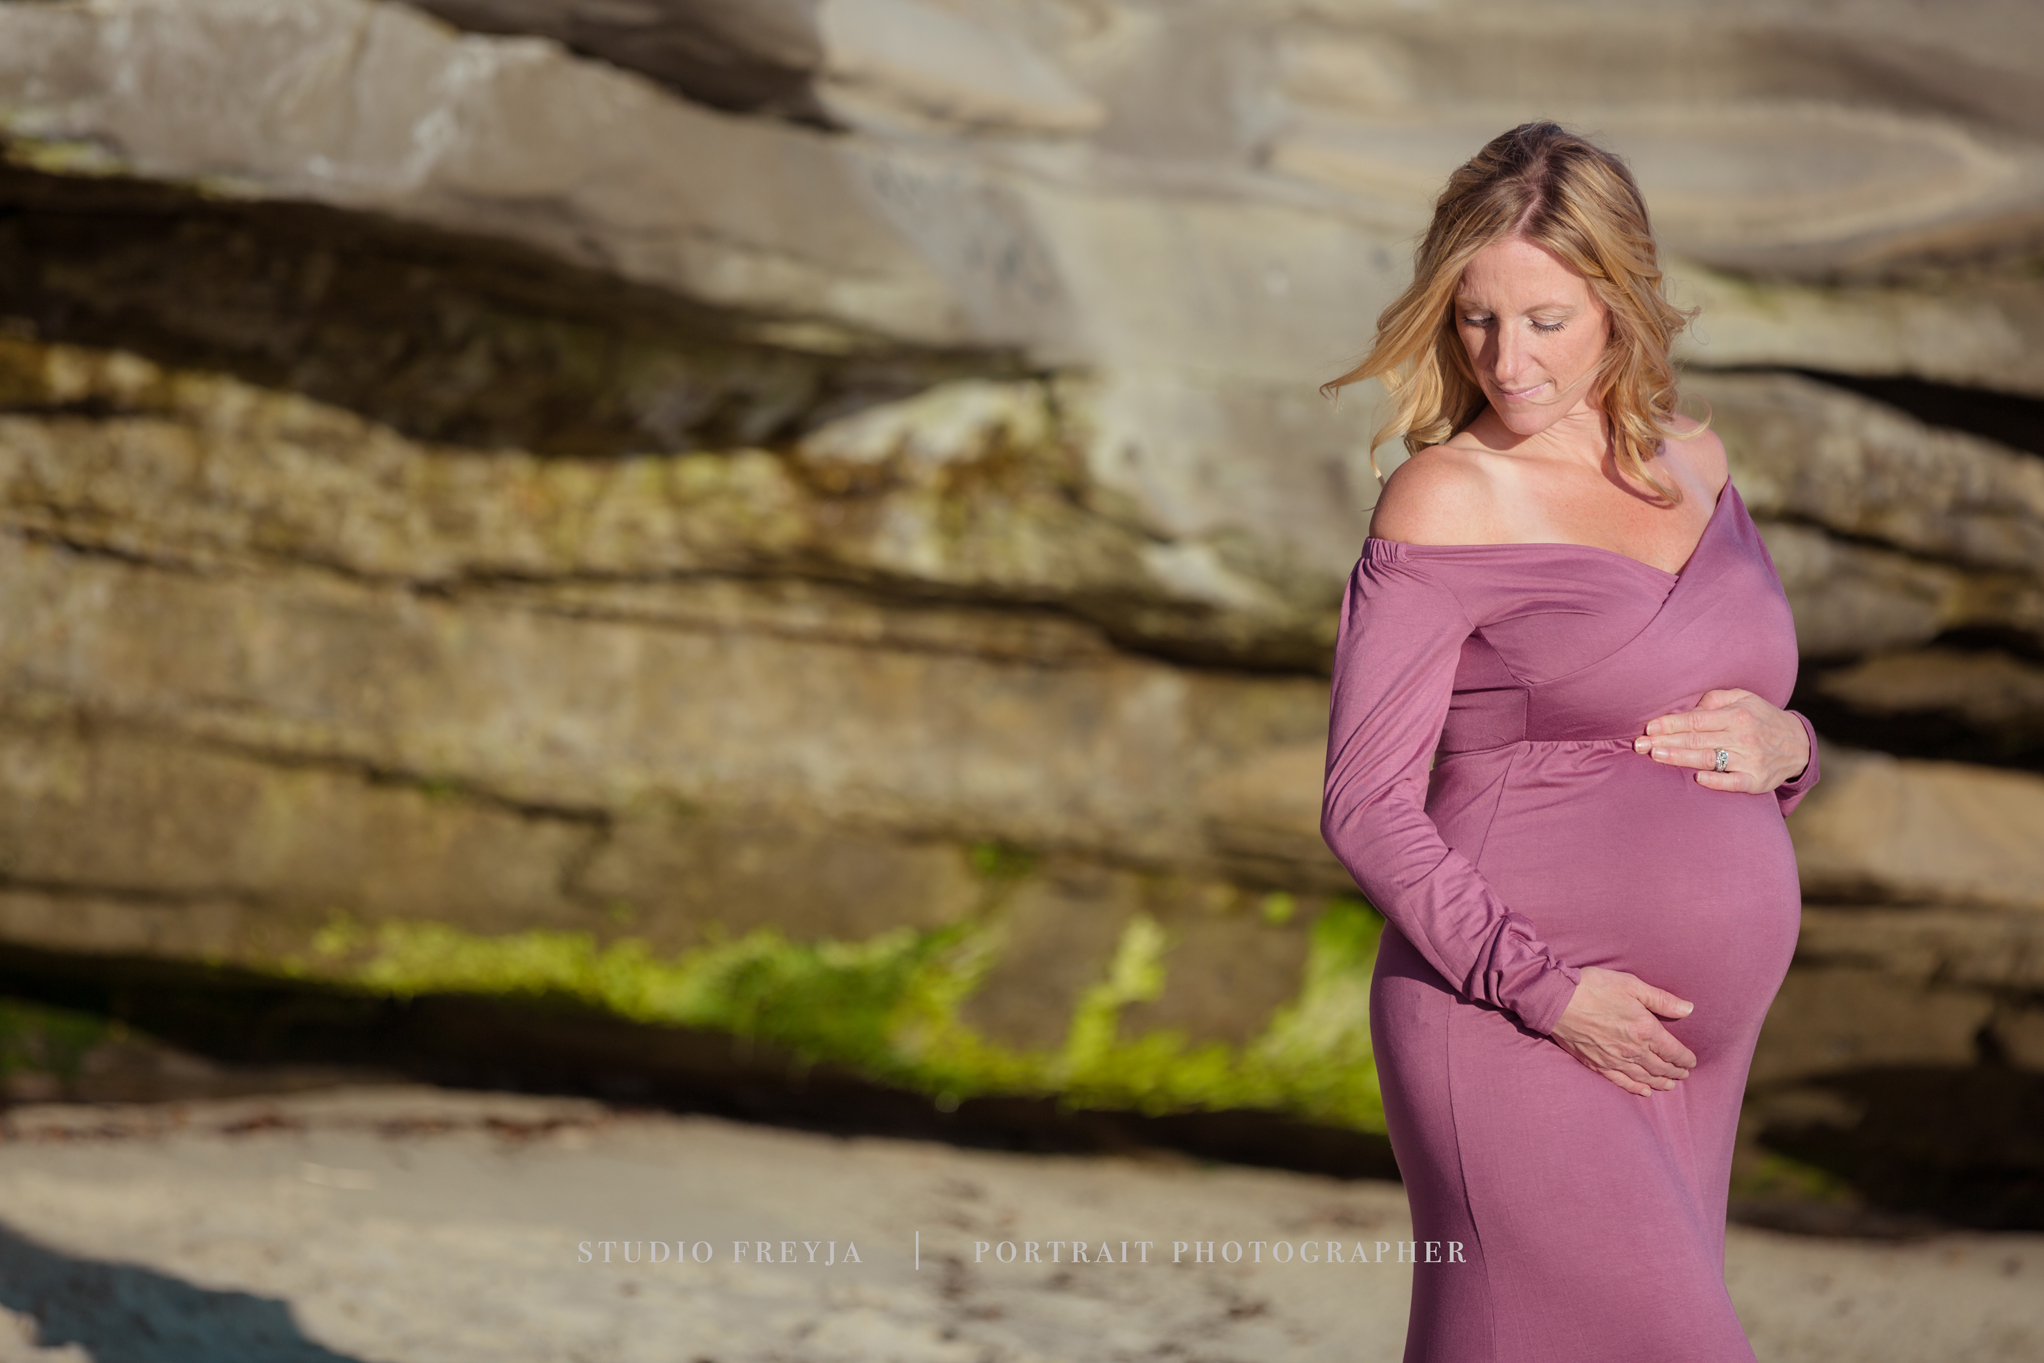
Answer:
(1521, 974)
(1791, 793)
(1542, 1002)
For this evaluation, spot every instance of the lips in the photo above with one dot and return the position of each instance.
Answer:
(1519, 394)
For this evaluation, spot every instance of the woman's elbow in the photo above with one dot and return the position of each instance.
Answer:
(1344, 812)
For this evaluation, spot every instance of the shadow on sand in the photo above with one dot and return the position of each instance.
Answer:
(123, 1313)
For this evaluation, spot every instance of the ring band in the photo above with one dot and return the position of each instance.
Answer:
(1724, 760)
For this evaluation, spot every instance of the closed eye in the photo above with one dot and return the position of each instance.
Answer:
(1549, 327)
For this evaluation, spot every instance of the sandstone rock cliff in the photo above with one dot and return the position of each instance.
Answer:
(678, 471)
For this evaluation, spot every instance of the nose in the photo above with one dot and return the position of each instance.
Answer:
(1509, 356)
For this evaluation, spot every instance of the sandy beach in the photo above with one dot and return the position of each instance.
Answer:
(388, 1225)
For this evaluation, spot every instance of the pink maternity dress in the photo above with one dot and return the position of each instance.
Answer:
(1592, 1220)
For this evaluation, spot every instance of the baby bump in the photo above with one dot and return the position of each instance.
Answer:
(1625, 863)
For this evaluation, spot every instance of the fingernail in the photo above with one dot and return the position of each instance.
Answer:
(1687, 1009)
(1660, 752)
(1641, 744)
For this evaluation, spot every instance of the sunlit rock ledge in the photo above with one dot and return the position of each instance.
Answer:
(850, 511)
(578, 705)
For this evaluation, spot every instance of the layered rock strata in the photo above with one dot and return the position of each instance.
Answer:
(675, 473)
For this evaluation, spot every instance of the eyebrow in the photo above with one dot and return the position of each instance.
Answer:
(1470, 305)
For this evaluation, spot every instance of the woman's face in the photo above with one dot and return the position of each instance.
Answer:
(1533, 330)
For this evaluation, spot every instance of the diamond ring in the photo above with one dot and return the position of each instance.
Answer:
(1724, 760)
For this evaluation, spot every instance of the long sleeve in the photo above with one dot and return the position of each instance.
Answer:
(1791, 793)
(1401, 635)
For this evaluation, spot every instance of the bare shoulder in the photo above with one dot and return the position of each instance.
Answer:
(1442, 495)
(1700, 452)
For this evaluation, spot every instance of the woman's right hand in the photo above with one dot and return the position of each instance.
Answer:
(1610, 1025)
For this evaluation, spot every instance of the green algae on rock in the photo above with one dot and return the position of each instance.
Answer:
(887, 1007)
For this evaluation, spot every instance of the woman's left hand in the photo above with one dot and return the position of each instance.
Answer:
(1763, 746)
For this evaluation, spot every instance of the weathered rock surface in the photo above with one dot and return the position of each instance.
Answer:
(971, 490)
(1901, 831)
(453, 339)
(1979, 704)
(1968, 948)
(1887, 532)
(716, 752)
(153, 819)
(1924, 941)
(1851, 599)
(744, 55)
(903, 64)
(845, 239)
(614, 697)
(1734, 116)
(1189, 264)
(1768, 140)
(689, 467)
(1974, 331)
(968, 490)
(1829, 1020)
(553, 709)
(1990, 688)
(1806, 452)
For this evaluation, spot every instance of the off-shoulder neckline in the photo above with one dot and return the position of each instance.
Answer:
(1403, 547)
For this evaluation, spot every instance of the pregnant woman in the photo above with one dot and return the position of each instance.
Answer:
(1558, 765)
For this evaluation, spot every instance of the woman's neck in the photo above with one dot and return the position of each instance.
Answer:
(1580, 436)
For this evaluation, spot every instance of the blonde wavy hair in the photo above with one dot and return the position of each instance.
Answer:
(1560, 191)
